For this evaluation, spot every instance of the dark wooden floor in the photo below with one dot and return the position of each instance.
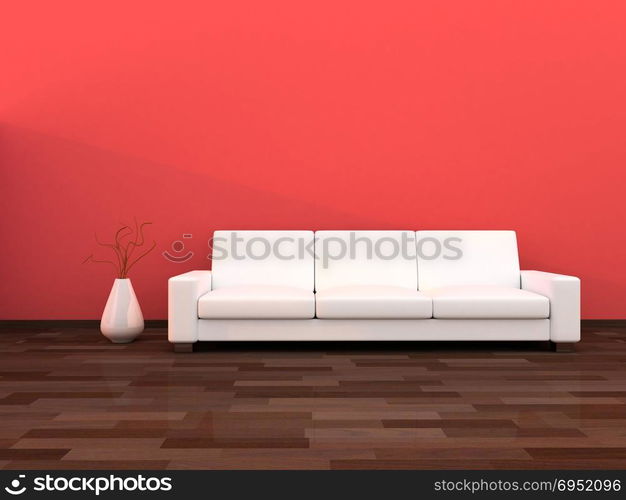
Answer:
(70, 399)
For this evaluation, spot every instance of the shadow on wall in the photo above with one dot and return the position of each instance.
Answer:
(57, 193)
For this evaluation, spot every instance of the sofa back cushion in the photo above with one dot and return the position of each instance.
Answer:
(282, 258)
(349, 258)
(451, 258)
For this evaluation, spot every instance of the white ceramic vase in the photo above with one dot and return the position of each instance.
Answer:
(122, 321)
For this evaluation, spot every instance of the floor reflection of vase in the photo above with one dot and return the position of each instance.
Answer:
(122, 321)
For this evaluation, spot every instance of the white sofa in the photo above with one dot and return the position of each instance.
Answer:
(454, 285)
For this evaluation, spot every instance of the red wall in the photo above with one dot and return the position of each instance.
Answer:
(327, 114)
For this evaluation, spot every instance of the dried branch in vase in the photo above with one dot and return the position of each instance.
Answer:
(127, 247)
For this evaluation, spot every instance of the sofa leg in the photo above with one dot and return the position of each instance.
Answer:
(563, 346)
(183, 347)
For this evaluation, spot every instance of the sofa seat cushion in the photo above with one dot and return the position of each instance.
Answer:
(487, 302)
(257, 302)
(372, 302)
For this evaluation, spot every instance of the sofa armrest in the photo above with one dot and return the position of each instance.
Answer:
(183, 292)
(564, 294)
